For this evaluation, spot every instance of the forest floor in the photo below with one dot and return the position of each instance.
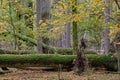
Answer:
(20, 74)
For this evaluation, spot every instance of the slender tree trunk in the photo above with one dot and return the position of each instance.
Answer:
(43, 13)
(68, 35)
(106, 30)
(68, 32)
(38, 18)
(106, 40)
(79, 62)
(63, 40)
(74, 30)
(75, 38)
(107, 11)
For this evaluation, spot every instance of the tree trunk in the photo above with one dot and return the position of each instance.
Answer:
(106, 30)
(68, 33)
(79, 62)
(107, 11)
(75, 38)
(106, 40)
(38, 17)
(63, 40)
(43, 13)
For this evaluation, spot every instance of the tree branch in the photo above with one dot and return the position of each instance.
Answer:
(116, 1)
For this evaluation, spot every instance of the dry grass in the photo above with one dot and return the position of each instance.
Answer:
(44, 75)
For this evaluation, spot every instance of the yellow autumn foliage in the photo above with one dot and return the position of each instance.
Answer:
(3, 26)
(114, 30)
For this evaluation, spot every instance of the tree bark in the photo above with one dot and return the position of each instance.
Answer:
(74, 30)
(79, 61)
(38, 18)
(106, 40)
(106, 30)
(68, 33)
(75, 38)
(107, 11)
(43, 13)
(63, 40)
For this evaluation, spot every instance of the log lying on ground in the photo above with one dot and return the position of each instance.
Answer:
(48, 49)
(21, 52)
(52, 60)
(35, 60)
(17, 52)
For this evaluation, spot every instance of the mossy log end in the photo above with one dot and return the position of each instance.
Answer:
(53, 60)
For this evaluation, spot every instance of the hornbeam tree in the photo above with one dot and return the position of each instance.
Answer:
(43, 13)
(38, 17)
(79, 61)
(106, 30)
(68, 32)
(74, 29)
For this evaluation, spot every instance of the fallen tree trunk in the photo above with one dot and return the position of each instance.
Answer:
(16, 52)
(35, 60)
(21, 52)
(46, 48)
(53, 60)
